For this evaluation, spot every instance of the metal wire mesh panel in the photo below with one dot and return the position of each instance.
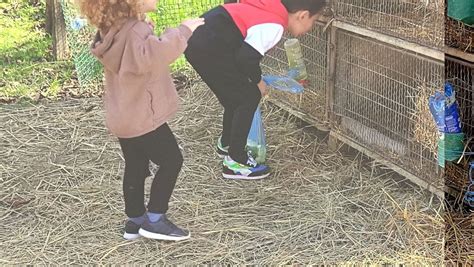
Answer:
(381, 95)
(461, 75)
(459, 35)
(79, 39)
(314, 48)
(420, 21)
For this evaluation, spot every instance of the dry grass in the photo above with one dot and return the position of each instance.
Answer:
(459, 246)
(425, 129)
(61, 203)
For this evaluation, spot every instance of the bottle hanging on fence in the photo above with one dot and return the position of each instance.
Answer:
(296, 60)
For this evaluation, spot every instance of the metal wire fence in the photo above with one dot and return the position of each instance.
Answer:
(79, 39)
(420, 21)
(381, 97)
(312, 102)
(461, 75)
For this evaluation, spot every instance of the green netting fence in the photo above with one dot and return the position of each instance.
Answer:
(79, 35)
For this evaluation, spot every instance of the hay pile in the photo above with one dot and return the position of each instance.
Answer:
(459, 242)
(425, 131)
(459, 35)
(61, 203)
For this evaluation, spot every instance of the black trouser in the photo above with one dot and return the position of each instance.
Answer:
(161, 148)
(238, 96)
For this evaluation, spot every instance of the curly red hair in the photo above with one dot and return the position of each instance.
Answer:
(104, 14)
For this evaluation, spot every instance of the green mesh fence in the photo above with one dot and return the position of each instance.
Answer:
(79, 35)
(79, 38)
(171, 12)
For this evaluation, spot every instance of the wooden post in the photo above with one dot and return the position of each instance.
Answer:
(49, 16)
(58, 29)
(331, 73)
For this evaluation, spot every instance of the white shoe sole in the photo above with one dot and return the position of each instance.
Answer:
(129, 236)
(156, 236)
(240, 177)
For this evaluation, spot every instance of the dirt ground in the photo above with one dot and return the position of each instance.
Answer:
(61, 199)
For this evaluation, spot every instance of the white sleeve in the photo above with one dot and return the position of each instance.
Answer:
(263, 37)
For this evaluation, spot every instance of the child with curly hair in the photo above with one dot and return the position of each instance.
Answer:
(139, 99)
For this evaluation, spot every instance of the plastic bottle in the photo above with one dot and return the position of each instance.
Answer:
(78, 23)
(296, 60)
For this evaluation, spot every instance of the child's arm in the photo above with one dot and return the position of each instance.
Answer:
(155, 51)
(259, 40)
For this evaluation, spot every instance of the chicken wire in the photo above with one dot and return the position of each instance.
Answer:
(312, 101)
(79, 39)
(461, 75)
(420, 21)
(381, 102)
(170, 13)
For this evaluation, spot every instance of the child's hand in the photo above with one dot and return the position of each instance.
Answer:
(262, 86)
(192, 24)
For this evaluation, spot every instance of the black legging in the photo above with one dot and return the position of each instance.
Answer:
(238, 96)
(161, 148)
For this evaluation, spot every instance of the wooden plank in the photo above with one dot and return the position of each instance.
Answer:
(419, 49)
(331, 73)
(413, 178)
(460, 54)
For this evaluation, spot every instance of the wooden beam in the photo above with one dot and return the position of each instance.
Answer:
(460, 54)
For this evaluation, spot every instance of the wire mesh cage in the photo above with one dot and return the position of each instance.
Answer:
(420, 21)
(461, 75)
(312, 101)
(459, 35)
(381, 100)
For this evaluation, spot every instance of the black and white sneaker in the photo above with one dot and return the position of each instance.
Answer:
(163, 229)
(131, 230)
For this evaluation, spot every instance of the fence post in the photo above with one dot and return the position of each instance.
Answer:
(56, 26)
(331, 74)
(49, 16)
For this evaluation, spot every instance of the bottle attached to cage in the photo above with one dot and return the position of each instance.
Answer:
(297, 67)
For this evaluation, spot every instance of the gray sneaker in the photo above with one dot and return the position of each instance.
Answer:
(163, 229)
(131, 230)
